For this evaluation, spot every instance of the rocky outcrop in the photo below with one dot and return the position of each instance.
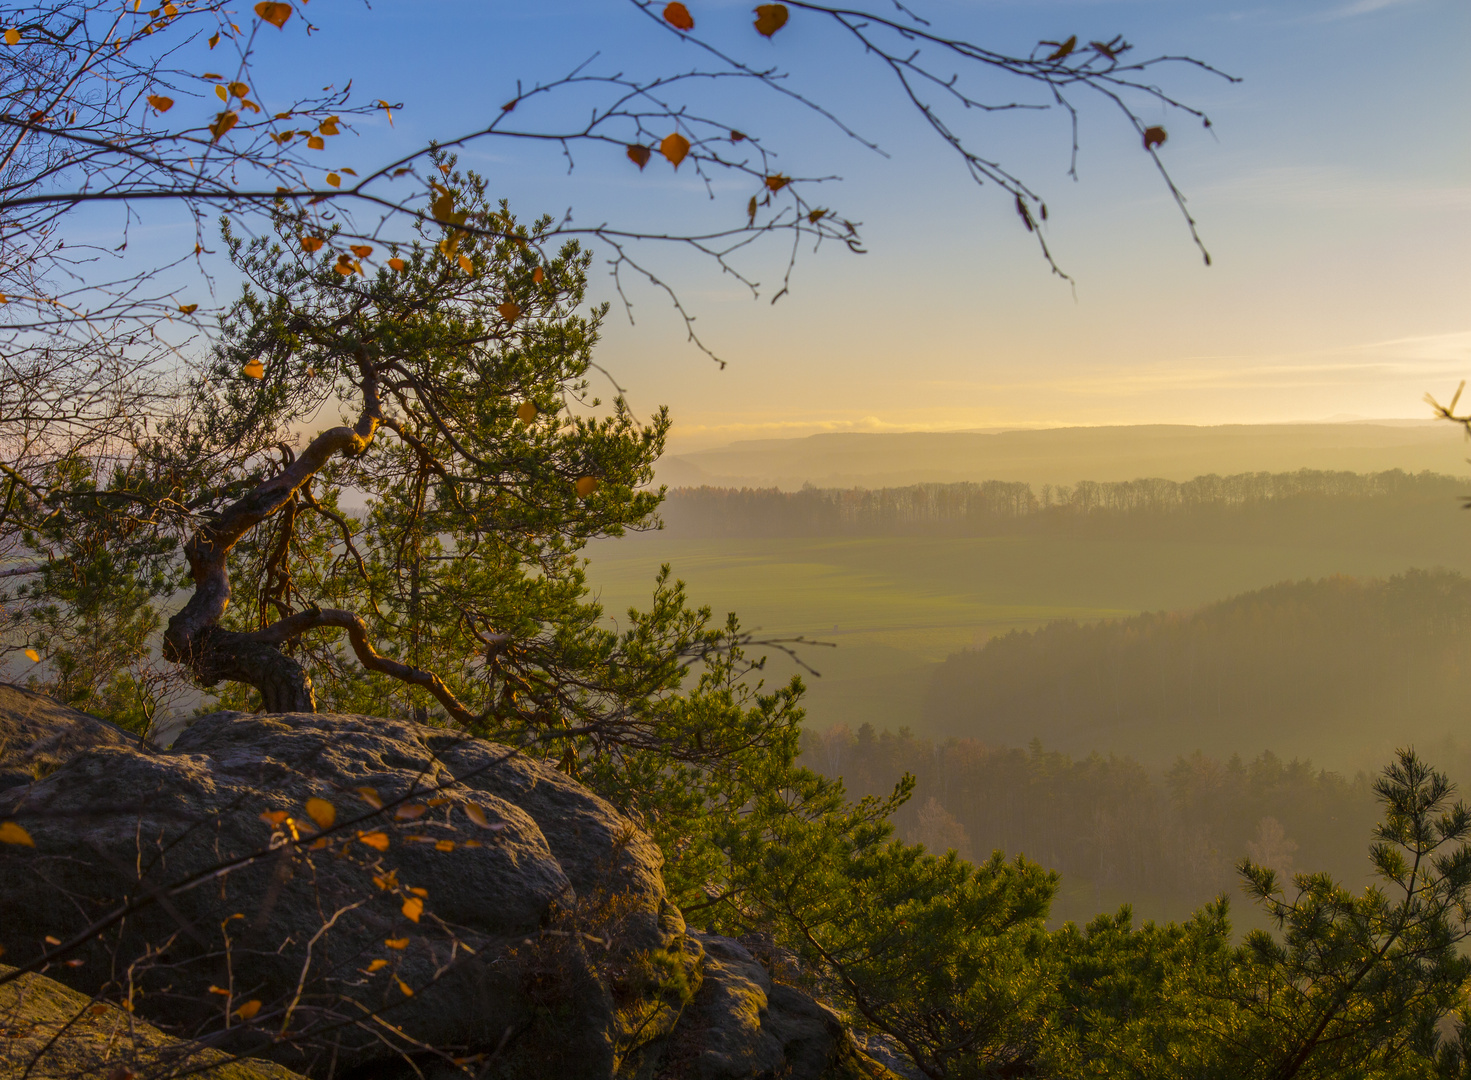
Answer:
(39, 734)
(371, 899)
(48, 1032)
(742, 1025)
(476, 916)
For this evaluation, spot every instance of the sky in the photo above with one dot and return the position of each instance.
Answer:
(1333, 192)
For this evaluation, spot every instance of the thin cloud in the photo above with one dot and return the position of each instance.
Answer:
(1366, 7)
(1341, 189)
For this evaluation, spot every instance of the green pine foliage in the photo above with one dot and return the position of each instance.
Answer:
(458, 542)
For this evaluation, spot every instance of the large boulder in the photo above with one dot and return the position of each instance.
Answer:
(350, 896)
(50, 1032)
(744, 1025)
(39, 734)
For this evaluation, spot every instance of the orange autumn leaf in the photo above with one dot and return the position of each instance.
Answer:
(510, 311)
(411, 812)
(316, 142)
(334, 179)
(525, 412)
(1063, 49)
(679, 17)
(248, 1010)
(413, 908)
(476, 814)
(271, 817)
(396, 942)
(310, 244)
(12, 36)
(537, 276)
(370, 796)
(322, 812)
(1154, 136)
(33, 656)
(11, 833)
(587, 485)
(770, 18)
(274, 13)
(466, 265)
(405, 988)
(160, 103)
(420, 892)
(396, 264)
(377, 965)
(444, 845)
(639, 155)
(362, 251)
(778, 181)
(675, 147)
(188, 309)
(376, 840)
(254, 370)
(223, 123)
(386, 881)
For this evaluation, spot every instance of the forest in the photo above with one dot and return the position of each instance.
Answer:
(1307, 505)
(1165, 841)
(1355, 665)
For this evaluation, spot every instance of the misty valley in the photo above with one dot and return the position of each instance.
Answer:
(721, 541)
(1135, 683)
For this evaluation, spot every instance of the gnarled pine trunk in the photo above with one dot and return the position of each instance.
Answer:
(194, 636)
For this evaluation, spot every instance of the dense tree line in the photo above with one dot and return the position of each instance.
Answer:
(1344, 664)
(1314, 500)
(1167, 842)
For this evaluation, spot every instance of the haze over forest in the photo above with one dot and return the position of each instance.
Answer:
(907, 541)
(1067, 454)
(1107, 613)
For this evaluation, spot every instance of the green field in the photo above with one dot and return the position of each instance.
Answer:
(893, 606)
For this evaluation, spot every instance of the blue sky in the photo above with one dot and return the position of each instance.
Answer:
(1334, 194)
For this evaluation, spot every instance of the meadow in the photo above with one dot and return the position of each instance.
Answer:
(893, 607)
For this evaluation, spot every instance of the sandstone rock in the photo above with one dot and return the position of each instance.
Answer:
(49, 1032)
(39, 734)
(743, 1026)
(527, 948)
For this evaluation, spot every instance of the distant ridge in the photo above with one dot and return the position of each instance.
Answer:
(1067, 455)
